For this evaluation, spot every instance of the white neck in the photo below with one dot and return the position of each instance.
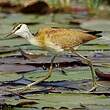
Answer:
(34, 41)
(27, 35)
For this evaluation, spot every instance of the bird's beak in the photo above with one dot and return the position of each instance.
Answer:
(10, 34)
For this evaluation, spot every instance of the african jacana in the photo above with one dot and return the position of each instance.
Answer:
(57, 40)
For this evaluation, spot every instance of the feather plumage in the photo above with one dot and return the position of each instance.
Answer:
(63, 38)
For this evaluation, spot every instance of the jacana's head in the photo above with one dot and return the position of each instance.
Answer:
(21, 30)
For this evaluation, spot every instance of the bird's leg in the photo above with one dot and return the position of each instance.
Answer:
(40, 80)
(44, 77)
(91, 68)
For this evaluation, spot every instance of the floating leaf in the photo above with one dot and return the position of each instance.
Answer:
(40, 61)
(102, 75)
(9, 76)
(16, 68)
(13, 42)
(77, 73)
(26, 103)
(66, 100)
(7, 49)
(99, 25)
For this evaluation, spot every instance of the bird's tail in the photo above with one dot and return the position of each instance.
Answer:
(95, 33)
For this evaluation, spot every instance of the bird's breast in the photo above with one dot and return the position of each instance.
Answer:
(36, 42)
(46, 45)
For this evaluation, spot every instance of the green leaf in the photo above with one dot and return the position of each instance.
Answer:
(69, 100)
(5, 76)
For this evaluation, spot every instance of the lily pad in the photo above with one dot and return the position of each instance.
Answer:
(40, 61)
(66, 100)
(99, 25)
(9, 76)
(102, 75)
(77, 73)
(94, 47)
(6, 49)
(19, 18)
(16, 68)
(13, 42)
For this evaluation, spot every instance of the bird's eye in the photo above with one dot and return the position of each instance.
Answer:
(18, 27)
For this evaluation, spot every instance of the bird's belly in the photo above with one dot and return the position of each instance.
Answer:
(58, 50)
(54, 50)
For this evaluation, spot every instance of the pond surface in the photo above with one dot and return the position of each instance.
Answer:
(71, 77)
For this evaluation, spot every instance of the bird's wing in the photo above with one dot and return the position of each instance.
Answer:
(67, 38)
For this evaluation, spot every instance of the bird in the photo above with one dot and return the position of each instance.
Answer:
(57, 41)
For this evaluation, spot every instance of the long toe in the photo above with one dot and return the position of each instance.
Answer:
(93, 88)
(22, 89)
(96, 86)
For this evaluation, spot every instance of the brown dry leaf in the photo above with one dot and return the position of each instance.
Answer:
(26, 103)
(38, 7)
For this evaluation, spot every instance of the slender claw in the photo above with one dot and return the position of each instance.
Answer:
(96, 86)
(20, 89)
(93, 89)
